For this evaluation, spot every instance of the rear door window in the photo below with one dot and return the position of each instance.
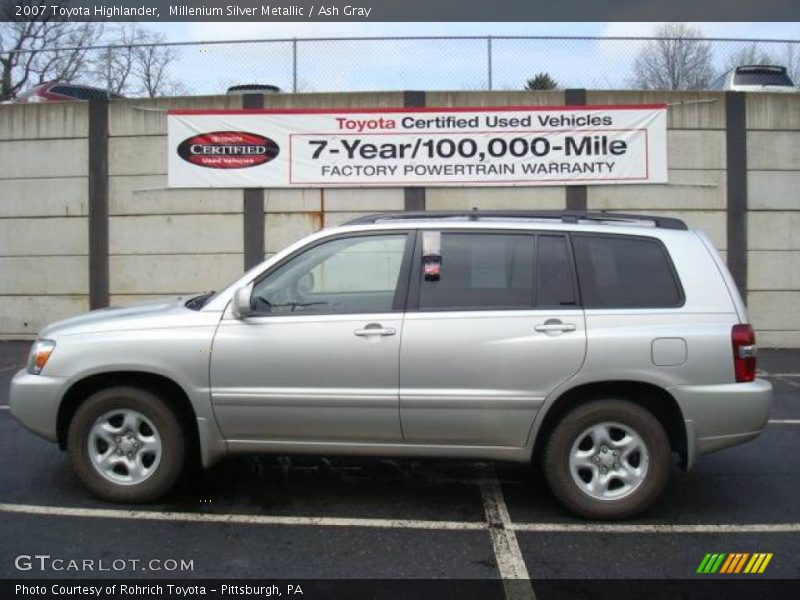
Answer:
(625, 272)
(481, 271)
(554, 279)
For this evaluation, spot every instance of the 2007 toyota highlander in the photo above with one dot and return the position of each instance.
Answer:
(598, 343)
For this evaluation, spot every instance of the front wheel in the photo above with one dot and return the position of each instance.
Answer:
(126, 445)
(607, 459)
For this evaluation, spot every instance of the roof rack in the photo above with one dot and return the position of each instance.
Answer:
(565, 216)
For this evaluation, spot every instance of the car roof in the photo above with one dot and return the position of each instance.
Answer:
(526, 218)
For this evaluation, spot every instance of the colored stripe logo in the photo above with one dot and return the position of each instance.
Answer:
(734, 563)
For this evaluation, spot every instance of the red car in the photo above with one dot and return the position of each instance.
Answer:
(56, 91)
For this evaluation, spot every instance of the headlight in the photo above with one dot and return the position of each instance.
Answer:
(40, 352)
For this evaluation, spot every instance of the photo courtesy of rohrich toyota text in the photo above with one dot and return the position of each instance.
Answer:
(417, 300)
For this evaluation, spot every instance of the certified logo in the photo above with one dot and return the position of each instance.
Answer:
(228, 150)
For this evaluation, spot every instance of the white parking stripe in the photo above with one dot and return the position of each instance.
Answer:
(786, 381)
(240, 519)
(510, 563)
(784, 422)
(662, 528)
(234, 519)
(4, 407)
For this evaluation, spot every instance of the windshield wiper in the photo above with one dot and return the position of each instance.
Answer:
(199, 302)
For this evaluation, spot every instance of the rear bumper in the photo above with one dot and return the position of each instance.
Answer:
(720, 416)
(34, 401)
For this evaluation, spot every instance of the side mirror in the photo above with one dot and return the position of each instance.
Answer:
(240, 305)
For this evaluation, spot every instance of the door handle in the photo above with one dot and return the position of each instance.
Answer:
(554, 326)
(375, 329)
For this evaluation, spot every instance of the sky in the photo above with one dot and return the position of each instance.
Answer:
(441, 64)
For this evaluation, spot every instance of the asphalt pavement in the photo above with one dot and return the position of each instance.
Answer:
(290, 517)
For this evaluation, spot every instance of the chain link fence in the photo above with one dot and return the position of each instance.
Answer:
(457, 62)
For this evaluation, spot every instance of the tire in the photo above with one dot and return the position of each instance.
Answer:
(98, 435)
(588, 478)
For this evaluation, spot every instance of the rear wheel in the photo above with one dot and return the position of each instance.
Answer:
(607, 459)
(126, 445)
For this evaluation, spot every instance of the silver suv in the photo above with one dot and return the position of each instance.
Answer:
(597, 343)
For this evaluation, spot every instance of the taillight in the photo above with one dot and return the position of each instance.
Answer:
(743, 339)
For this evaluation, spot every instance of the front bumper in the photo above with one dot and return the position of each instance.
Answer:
(720, 416)
(34, 401)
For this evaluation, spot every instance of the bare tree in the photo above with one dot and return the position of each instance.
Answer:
(137, 63)
(112, 67)
(40, 50)
(152, 68)
(679, 59)
(791, 60)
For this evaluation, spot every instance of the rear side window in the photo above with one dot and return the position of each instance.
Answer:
(78, 92)
(482, 271)
(762, 77)
(625, 272)
(60, 89)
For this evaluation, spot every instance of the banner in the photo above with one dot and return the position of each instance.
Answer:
(499, 146)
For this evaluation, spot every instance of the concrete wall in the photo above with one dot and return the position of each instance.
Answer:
(773, 220)
(697, 191)
(164, 242)
(43, 207)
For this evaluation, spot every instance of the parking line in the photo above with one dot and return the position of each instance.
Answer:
(4, 407)
(783, 379)
(657, 528)
(783, 422)
(510, 562)
(240, 519)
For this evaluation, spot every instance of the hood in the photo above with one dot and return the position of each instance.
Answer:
(141, 315)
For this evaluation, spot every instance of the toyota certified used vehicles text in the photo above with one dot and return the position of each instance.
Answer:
(599, 344)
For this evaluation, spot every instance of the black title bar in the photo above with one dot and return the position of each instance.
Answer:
(700, 588)
(400, 10)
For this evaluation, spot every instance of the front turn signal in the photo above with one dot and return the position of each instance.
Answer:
(40, 353)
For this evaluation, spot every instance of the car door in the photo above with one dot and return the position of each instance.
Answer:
(319, 359)
(489, 332)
